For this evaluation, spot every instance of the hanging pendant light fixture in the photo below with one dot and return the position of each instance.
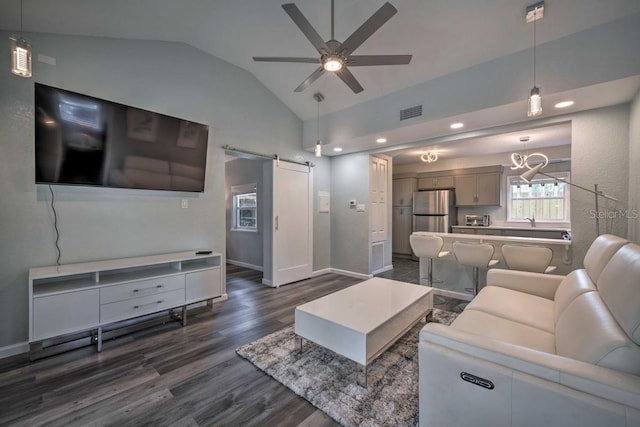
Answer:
(20, 52)
(319, 98)
(534, 13)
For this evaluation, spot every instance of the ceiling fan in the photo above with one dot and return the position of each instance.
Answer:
(336, 57)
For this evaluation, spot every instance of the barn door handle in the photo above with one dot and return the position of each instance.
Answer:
(276, 222)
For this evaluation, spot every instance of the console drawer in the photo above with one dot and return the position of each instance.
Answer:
(140, 288)
(64, 313)
(134, 307)
(202, 285)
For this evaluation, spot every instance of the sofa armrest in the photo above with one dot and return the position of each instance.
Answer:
(539, 284)
(594, 380)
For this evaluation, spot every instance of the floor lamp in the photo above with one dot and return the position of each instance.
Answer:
(528, 176)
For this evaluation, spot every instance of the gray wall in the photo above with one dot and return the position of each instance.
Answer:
(599, 155)
(244, 246)
(107, 223)
(321, 221)
(634, 170)
(350, 229)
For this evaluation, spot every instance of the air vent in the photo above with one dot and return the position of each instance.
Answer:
(411, 112)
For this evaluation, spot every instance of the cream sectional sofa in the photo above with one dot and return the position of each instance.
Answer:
(535, 349)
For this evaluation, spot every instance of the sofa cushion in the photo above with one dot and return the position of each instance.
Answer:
(516, 306)
(600, 252)
(490, 326)
(619, 287)
(587, 331)
(575, 284)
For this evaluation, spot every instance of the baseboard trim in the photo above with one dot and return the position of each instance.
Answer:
(383, 269)
(453, 294)
(267, 282)
(245, 265)
(352, 274)
(13, 349)
(321, 272)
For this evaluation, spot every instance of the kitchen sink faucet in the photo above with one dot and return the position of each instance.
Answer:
(532, 220)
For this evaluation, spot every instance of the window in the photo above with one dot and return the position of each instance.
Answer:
(545, 199)
(245, 207)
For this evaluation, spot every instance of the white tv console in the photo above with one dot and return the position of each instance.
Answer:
(86, 296)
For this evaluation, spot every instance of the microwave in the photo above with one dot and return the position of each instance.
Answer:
(477, 220)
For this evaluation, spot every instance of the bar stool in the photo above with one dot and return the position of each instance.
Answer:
(528, 258)
(430, 247)
(476, 255)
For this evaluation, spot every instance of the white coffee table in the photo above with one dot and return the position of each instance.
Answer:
(362, 321)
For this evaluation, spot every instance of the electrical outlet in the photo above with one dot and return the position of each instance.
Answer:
(184, 203)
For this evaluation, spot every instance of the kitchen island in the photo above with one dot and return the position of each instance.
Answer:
(456, 279)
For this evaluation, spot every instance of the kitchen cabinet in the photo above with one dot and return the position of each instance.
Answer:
(481, 189)
(436, 182)
(403, 189)
(401, 229)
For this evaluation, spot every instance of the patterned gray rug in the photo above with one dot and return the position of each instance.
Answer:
(328, 380)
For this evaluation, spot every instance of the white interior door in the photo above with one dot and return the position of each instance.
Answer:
(378, 197)
(292, 222)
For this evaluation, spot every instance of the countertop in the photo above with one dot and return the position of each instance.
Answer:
(506, 239)
(494, 227)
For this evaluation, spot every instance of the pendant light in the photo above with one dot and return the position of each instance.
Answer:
(20, 52)
(534, 13)
(319, 98)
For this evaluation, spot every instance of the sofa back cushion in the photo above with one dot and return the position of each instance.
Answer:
(619, 287)
(575, 284)
(586, 330)
(600, 252)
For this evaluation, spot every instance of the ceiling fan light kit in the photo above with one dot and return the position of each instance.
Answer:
(336, 57)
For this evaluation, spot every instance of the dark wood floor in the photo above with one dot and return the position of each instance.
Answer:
(169, 375)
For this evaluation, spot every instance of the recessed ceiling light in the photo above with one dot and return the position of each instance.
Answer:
(456, 125)
(564, 104)
(381, 140)
(337, 149)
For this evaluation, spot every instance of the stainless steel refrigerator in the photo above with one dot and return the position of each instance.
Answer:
(434, 210)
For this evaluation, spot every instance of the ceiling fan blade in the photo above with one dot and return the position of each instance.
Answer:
(306, 28)
(312, 78)
(346, 76)
(370, 26)
(361, 60)
(286, 59)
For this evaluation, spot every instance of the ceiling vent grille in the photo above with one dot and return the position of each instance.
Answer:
(411, 112)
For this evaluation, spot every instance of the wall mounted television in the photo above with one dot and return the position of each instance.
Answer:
(82, 140)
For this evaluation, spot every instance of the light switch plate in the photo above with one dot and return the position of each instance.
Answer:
(360, 207)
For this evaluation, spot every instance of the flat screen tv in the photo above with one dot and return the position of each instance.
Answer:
(82, 140)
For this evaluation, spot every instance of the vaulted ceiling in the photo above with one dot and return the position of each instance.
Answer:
(446, 38)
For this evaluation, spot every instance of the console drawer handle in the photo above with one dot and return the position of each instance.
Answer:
(146, 305)
(146, 289)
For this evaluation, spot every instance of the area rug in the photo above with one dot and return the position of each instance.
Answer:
(329, 381)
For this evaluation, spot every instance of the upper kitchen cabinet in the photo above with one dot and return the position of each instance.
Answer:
(479, 189)
(435, 182)
(403, 189)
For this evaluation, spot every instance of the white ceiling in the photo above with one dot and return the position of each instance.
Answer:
(444, 37)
